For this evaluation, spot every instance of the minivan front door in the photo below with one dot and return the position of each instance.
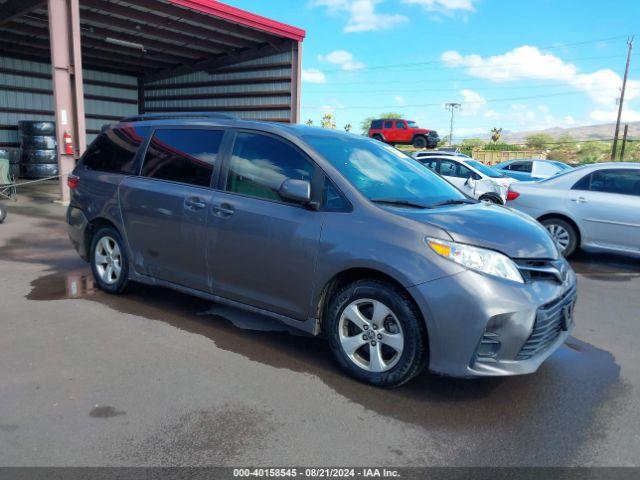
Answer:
(165, 208)
(262, 250)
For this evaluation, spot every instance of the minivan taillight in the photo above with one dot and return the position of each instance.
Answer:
(72, 182)
(511, 195)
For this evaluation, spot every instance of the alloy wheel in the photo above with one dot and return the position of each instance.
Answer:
(108, 260)
(560, 235)
(370, 335)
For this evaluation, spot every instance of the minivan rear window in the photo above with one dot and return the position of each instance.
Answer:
(114, 151)
(183, 155)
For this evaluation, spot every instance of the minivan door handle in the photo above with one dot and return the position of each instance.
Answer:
(224, 210)
(194, 203)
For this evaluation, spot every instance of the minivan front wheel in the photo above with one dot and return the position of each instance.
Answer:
(376, 334)
(109, 262)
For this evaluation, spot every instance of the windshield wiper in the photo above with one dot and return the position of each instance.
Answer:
(452, 201)
(398, 201)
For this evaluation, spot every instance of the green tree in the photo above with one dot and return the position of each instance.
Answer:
(366, 123)
(539, 141)
(473, 142)
(309, 122)
(565, 149)
(347, 127)
(328, 121)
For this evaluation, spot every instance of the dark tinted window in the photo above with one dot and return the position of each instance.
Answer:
(431, 164)
(453, 169)
(401, 125)
(260, 163)
(625, 182)
(185, 156)
(114, 150)
(332, 199)
(377, 124)
(520, 167)
(388, 124)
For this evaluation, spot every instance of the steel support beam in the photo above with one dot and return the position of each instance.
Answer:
(68, 95)
(296, 80)
(16, 8)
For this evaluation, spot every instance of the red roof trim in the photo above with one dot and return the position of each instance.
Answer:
(243, 17)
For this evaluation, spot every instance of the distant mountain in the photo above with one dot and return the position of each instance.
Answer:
(588, 132)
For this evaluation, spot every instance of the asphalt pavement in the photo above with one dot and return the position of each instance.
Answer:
(155, 377)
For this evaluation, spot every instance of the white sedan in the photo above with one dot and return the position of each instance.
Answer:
(596, 207)
(472, 177)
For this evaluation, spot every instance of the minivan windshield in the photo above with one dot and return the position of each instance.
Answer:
(482, 168)
(382, 173)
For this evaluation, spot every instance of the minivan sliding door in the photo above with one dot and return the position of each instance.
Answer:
(165, 208)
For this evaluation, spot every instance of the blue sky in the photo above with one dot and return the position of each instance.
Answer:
(519, 65)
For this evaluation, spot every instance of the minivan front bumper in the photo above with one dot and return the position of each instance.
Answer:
(480, 325)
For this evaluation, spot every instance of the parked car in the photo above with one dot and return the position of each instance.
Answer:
(437, 153)
(472, 177)
(403, 132)
(596, 207)
(332, 233)
(531, 169)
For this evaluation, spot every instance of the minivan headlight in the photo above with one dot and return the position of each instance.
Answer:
(476, 258)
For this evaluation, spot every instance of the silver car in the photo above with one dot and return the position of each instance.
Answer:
(595, 207)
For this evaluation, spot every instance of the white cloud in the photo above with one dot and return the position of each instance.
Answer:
(313, 75)
(400, 100)
(529, 63)
(443, 6)
(362, 14)
(344, 59)
(472, 102)
(606, 116)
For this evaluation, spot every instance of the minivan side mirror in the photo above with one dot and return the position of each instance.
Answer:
(298, 191)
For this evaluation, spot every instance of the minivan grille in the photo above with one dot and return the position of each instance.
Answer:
(547, 326)
(532, 270)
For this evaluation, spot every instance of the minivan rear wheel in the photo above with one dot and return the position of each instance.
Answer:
(376, 333)
(109, 262)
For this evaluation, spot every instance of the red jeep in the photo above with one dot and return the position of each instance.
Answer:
(405, 132)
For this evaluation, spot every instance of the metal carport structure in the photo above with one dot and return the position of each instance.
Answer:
(84, 63)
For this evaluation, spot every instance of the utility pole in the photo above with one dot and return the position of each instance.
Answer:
(624, 86)
(452, 106)
(624, 141)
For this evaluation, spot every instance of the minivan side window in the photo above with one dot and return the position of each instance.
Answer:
(114, 151)
(260, 163)
(182, 155)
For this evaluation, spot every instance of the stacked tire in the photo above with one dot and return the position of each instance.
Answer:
(39, 157)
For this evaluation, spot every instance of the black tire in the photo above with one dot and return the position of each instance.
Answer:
(40, 170)
(39, 156)
(123, 280)
(414, 354)
(38, 142)
(378, 137)
(29, 127)
(572, 244)
(491, 199)
(420, 142)
(3, 213)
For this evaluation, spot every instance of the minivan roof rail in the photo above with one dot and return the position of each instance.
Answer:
(175, 115)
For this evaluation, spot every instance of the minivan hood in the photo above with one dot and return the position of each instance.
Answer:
(490, 226)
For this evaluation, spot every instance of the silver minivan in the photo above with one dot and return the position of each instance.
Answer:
(332, 233)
